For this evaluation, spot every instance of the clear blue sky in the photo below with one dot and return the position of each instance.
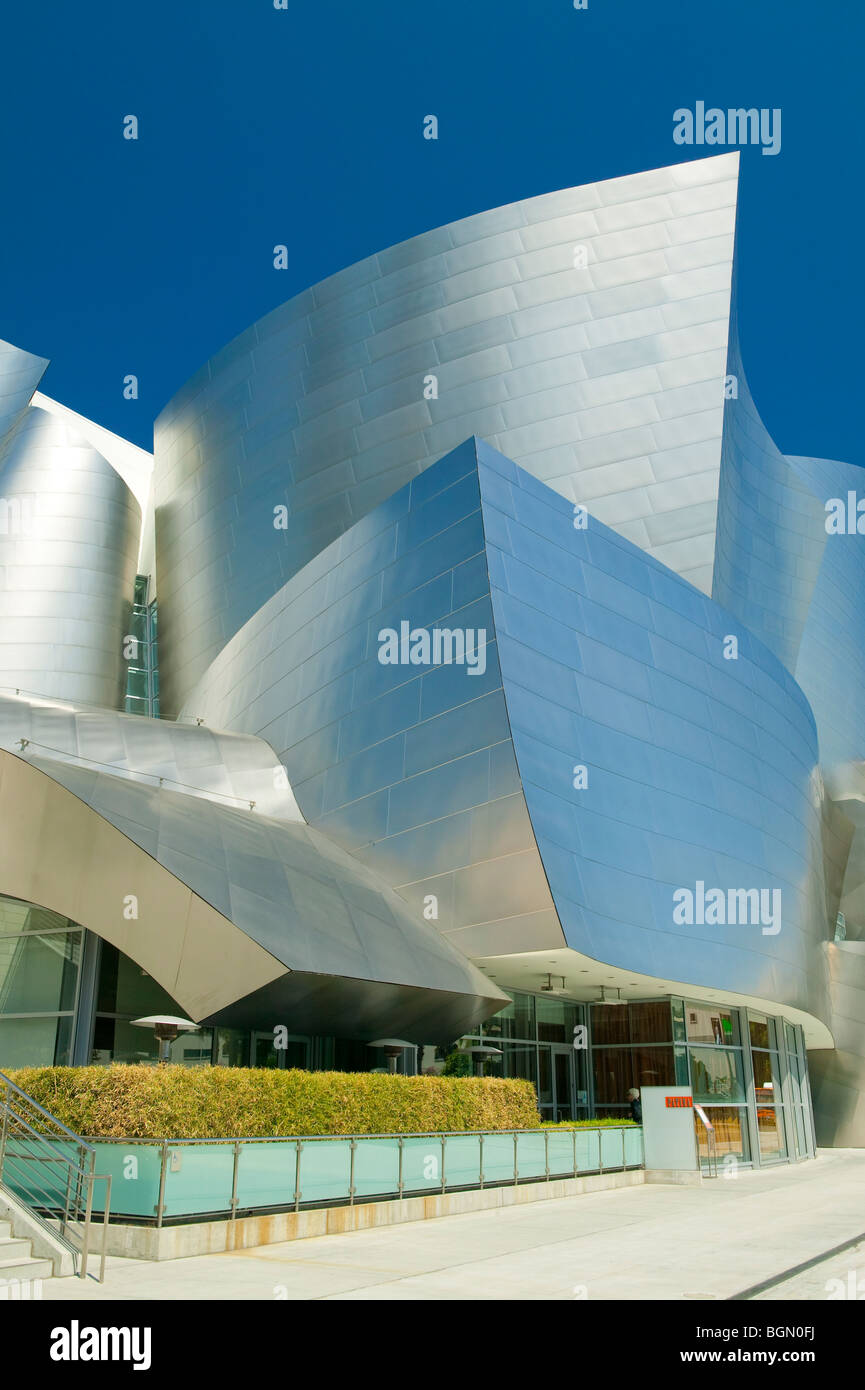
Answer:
(303, 126)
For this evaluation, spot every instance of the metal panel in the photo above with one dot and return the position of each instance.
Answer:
(360, 959)
(699, 768)
(68, 552)
(574, 330)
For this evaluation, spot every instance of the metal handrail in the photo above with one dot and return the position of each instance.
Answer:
(129, 773)
(30, 1135)
(309, 1138)
(298, 1165)
(20, 691)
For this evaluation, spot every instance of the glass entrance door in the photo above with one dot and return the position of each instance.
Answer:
(555, 1082)
(265, 1054)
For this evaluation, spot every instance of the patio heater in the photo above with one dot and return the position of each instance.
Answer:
(392, 1047)
(165, 1029)
(483, 1054)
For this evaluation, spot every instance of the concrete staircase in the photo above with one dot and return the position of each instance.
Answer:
(18, 1263)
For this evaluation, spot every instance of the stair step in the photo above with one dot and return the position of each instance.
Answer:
(5, 1230)
(24, 1270)
(14, 1249)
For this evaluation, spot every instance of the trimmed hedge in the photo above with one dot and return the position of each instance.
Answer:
(598, 1123)
(175, 1102)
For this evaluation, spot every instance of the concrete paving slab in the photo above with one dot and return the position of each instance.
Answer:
(668, 1242)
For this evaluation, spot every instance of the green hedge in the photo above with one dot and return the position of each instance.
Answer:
(174, 1102)
(599, 1122)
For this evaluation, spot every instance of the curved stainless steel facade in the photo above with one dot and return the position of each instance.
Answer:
(583, 333)
(348, 955)
(229, 768)
(412, 769)
(20, 374)
(617, 739)
(461, 784)
(68, 549)
(796, 584)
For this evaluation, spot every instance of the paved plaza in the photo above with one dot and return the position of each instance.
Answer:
(771, 1234)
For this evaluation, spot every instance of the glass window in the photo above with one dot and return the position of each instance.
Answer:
(545, 1077)
(801, 1131)
(138, 625)
(232, 1047)
(609, 1024)
(653, 1066)
(707, 1024)
(519, 1060)
(556, 1019)
(516, 1020)
(613, 1072)
(651, 1022)
(35, 1042)
(796, 1096)
(640, 1022)
(678, 1012)
(193, 1049)
(771, 1131)
(766, 1077)
(716, 1075)
(136, 683)
(119, 1040)
(731, 1133)
(17, 917)
(347, 1054)
(39, 974)
(759, 1030)
(124, 988)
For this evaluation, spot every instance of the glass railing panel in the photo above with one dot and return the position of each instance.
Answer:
(422, 1163)
(134, 1172)
(498, 1158)
(266, 1173)
(587, 1150)
(611, 1147)
(531, 1156)
(633, 1147)
(462, 1160)
(325, 1170)
(198, 1179)
(376, 1168)
(561, 1150)
(198, 1176)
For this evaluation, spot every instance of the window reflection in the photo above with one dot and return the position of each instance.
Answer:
(759, 1031)
(39, 973)
(731, 1135)
(707, 1024)
(35, 1042)
(716, 1076)
(771, 1131)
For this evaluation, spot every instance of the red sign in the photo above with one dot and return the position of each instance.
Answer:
(678, 1102)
